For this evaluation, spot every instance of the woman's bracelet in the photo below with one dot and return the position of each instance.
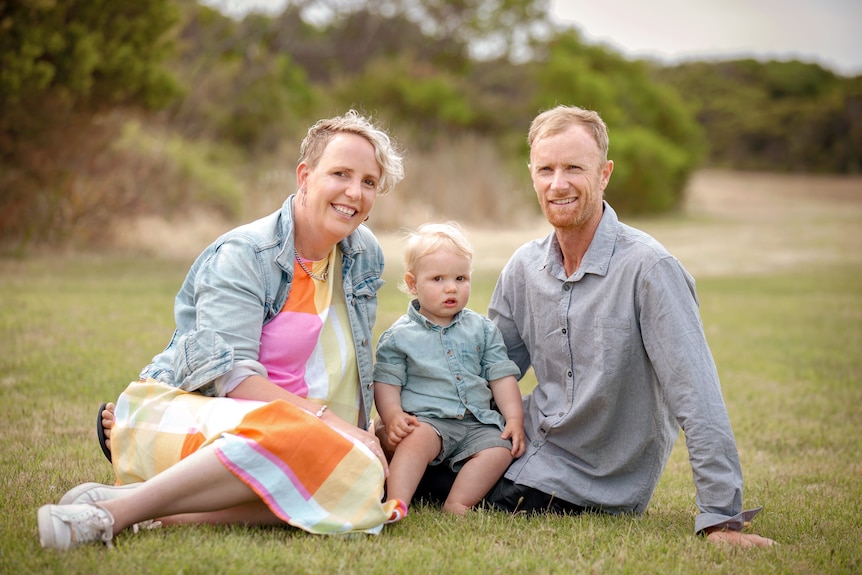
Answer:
(321, 411)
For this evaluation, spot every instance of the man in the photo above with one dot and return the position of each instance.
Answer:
(609, 321)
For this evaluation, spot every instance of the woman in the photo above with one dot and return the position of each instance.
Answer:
(257, 410)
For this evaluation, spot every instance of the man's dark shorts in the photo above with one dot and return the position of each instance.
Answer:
(506, 495)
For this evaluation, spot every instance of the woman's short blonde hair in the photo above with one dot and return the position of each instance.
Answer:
(386, 151)
(430, 238)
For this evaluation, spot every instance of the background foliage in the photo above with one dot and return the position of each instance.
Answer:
(219, 107)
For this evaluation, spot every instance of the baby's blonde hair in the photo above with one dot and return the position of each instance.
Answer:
(430, 238)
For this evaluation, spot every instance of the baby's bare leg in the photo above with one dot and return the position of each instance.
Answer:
(476, 478)
(408, 464)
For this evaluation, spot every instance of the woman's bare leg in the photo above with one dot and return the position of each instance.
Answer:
(255, 513)
(199, 484)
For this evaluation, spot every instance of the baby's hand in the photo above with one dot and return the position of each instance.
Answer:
(514, 430)
(400, 427)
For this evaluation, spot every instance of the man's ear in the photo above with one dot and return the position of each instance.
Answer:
(606, 173)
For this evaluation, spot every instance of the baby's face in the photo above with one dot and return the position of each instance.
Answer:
(441, 283)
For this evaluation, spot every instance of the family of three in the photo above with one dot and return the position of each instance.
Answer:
(259, 409)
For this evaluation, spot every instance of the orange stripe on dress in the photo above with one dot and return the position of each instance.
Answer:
(309, 447)
(191, 443)
(301, 293)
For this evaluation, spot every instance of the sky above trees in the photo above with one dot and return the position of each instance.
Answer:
(818, 31)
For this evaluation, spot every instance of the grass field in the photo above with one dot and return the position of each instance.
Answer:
(778, 261)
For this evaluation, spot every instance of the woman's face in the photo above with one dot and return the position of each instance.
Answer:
(340, 190)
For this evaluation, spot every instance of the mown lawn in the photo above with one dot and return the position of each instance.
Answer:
(788, 343)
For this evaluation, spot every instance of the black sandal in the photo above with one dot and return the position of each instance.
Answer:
(100, 431)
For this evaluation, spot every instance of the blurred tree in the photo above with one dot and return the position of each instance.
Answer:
(421, 98)
(655, 142)
(63, 63)
(785, 116)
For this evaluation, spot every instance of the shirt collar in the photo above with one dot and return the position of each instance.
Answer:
(414, 314)
(597, 260)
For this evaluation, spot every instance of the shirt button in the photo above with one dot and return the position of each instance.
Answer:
(569, 373)
(561, 414)
(564, 331)
(566, 287)
(460, 416)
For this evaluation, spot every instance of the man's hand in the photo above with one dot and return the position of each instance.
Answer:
(745, 540)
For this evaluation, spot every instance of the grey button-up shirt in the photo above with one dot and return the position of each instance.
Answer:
(622, 364)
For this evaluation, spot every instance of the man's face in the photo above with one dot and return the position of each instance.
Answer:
(569, 176)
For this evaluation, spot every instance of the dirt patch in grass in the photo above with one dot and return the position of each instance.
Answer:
(731, 223)
(757, 223)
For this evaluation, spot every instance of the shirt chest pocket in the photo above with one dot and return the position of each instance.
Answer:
(614, 343)
(470, 357)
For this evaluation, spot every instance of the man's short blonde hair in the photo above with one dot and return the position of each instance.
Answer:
(553, 121)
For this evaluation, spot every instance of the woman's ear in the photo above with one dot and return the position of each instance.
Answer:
(302, 172)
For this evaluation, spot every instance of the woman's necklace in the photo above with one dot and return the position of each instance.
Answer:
(320, 278)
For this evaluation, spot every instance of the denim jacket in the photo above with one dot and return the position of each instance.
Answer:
(238, 284)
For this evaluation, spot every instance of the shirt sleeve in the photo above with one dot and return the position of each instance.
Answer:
(675, 341)
(501, 313)
(227, 302)
(391, 364)
(241, 370)
(496, 362)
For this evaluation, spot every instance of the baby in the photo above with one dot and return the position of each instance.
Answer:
(444, 385)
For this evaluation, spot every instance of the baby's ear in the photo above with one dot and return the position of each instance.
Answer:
(410, 282)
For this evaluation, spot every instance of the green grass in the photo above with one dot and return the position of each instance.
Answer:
(75, 329)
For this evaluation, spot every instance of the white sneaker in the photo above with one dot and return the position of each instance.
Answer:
(89, 493)
(93, 492)
(67, 526)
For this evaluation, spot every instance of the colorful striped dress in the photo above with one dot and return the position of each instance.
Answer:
(310, 475)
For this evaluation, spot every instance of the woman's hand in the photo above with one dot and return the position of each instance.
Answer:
(367, 438)
(259, 388)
